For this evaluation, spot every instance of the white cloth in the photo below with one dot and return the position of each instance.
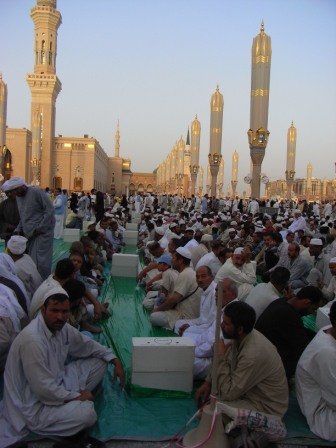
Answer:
(298, 224)
(39, 378)
(38, 297)
(211, 261)
(316, 385)
(59, 225)
(207, 312)
(261, 296)
(8, 270)
(28, 273)
(192, 244)
(244, 277)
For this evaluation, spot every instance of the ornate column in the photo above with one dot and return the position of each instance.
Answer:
(260, 82)
(290, 165)
(309, 181)
(216, 123)
(194, 152)
(208, 180)
(220, 178)
(234, 172)
(200, 180)
(3, 120)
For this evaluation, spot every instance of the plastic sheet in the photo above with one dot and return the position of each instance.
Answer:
(134, 413)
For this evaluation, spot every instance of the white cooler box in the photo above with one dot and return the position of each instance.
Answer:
(124, 265)
(130, 237)
(136, 217)
(163, 363)
(71, 235)
(322, 317)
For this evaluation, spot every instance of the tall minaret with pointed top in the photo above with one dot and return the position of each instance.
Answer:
(45, 87)
(216, 124)
(234, 172)
(194, 152)
(3, 111)
(309, 180)
(117, 142)
(290, 164)
(260, 83)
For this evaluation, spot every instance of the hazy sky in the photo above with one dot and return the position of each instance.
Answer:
(153, 64)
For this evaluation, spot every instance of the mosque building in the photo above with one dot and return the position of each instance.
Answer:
(40, 157)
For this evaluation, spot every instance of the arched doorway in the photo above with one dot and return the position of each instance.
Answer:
(131, 189)
(141, 188)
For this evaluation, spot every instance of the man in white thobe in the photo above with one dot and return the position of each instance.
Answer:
(37, 221)
(241, 272)
(265, 293)
(25, 267)
(211, 259)
(207, 315)
(50, 374)
(315, 381)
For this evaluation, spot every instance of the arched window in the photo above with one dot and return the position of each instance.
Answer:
(141, 188)
(150, 188)
(132, 188)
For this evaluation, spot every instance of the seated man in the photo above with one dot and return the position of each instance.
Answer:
(25, 267)
(281, 323)
(250, 372)
(240, 270)
(299, 267)
(316, 381)
(158, 291)
(207, 315)
(12, 319)
(184, 303)
(204, 337)
(329, 292)
(44, 392)
(264, 293)
(211, 259)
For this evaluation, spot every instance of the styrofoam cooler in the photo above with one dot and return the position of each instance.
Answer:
(322, 317)
(130, 237)
(136, 217)
(71, 235)
(124, 265)
(163, 363)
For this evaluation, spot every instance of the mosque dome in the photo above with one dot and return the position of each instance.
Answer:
(261, 47)
(195, 126)
(217, 101)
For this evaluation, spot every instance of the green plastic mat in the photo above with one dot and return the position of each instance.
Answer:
(134, 413)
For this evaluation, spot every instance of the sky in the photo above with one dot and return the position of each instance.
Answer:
(154, 64)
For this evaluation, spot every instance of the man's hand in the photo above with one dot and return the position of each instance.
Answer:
(220, 348)
(202, 394)
(118, 372)
(183, 329)
(100, 310)
(85, 395)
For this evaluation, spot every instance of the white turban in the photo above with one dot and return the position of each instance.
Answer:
(17, 244)
(12, 183)
(238, 251)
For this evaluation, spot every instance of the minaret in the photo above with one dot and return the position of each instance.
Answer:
(44, 86)
(180, 165)
(194, 154)
(200, 180)
(309, 180)
(186, 171)
(216, 123)
(260, 82)
(290, 164)
(117, 142)
(234, 172)
(3, 111)
(3, 120)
